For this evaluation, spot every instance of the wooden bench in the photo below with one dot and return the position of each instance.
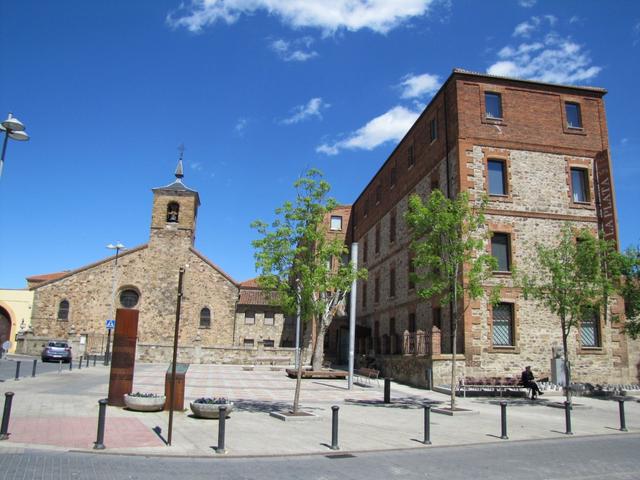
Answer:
(318, 374)
(368, 374)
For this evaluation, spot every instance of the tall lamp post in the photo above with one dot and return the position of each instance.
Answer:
(14, 129)
(117, 247)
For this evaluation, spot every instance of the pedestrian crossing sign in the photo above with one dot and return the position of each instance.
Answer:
(111, 324)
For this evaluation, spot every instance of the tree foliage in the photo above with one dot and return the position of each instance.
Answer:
(630, 290)
(449, 243)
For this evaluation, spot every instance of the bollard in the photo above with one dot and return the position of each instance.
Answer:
(33, 371)
(387, 390)
(503, 416)
(222, 420)
(567, 417)
(80, 363)
(70, 364)
(427, 425)
(59, 366)
(94, 360)
(87, 365)
(18, 369)
(623, 421)
(4, 429)
(334, 428)
(99, 443)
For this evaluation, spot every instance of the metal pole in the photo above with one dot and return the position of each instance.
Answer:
(70, 364)
(80, 363)
(352, 313)
(87, 365)
(4, 429)
(623, 422)
(4, 149)
(94, 360)
(387, 390)
(113, 306)
(503, 420)
(567, 417)
(298, 359)
(222, 420)
(427, 425)
(59, 366)
(172, 386)
(18, 370)
(33, 371)
(99, 443)
(334, 428)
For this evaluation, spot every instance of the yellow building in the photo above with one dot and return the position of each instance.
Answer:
(15, 314)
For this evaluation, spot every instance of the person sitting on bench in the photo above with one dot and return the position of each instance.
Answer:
(528, 382)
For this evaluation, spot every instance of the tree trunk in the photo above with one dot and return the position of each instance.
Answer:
(318, 351)
(296, 396)
(567, 368)
(454, 346)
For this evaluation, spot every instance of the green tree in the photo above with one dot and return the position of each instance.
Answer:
(449, 243)
(306, 267)
(630, 290)
(574, 279)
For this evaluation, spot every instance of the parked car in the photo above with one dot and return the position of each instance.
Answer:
(56, 350)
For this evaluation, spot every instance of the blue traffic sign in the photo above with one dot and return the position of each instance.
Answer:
(111, 324)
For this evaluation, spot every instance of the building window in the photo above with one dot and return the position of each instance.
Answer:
(364, 294)
(249, 318)
(336, 223)
(248, 342)
(392, 227)
(493, 105)
(205, 318)
(503, 325)
(412, 270)
(365, 251)
(173, 209)
(579, 185)
(410, 158)
(376, 292)
(129, 298)
(268, 318)
(433, 129)
(590, 330)
(574, 118)
(392, 177)
(412, 322)
(377, 238)
(497, 177)
(392, 282)
(268, 343)
(63, 310)
(378, 193)
(500, 250)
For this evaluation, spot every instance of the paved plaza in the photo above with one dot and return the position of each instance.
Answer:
(58, 411)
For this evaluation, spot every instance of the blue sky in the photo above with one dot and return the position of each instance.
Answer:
(258, 91)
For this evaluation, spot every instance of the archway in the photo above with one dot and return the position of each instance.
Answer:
(5, 326)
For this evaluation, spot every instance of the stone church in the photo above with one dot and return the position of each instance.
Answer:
(222, 320)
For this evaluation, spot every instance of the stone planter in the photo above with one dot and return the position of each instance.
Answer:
(209, 410)
(144, 404)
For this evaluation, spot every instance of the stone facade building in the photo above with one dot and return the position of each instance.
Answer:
(540, 153)
(215, 308)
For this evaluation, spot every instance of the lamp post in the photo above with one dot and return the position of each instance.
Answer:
(12, 128)
(117, 247)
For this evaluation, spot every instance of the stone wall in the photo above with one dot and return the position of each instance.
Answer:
(420, 371)
(195, 353)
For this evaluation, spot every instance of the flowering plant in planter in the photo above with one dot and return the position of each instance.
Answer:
(144, 402)
(209, 407)
(145, 395)
(212, 400)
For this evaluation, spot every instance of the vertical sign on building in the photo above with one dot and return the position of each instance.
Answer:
(124, 355)
(607, 221)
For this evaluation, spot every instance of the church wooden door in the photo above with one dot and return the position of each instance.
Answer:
(5, 326)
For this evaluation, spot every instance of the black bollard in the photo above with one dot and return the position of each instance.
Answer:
(59, 366)
(222, 420)
(503, 416)
(18, 369)
(567, 418)
(99, 443)
(427, 425)
(623, 421)
(94, 360)
(387, 390)
(87, 365)
(80, 363)
(4, 429)
(70, 364)
(334, 428)
(33, 371)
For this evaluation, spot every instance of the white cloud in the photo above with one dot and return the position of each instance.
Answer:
(390, 126)
(197, 166)
(240, 126)
(527, 3)
(294, 51)
(313, 108)
(381, 16)
(416, 86)
(553, 59)
(636, 33)
(525, 29)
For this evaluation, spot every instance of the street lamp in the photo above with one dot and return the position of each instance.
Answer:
(12, 128)
(117, 247)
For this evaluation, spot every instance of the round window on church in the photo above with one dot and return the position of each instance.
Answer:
(129, 298)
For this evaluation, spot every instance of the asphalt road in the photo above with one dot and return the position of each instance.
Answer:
(8, 366)
(612, 457)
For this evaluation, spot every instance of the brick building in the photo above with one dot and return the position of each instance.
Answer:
(541, 154)
(221, 320)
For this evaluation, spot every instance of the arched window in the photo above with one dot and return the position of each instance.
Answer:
(129, 298)
(205, 318)
(63, 310)
(173, 210)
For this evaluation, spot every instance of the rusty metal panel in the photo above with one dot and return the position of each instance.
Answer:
(124, 355)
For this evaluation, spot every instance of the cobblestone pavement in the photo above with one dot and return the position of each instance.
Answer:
(607, 458)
